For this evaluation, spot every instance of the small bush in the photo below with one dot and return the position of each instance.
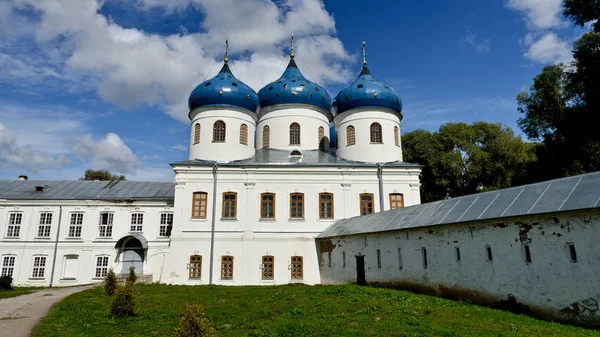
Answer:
(123, 303)
(193, 323)
(6, 282)
(132, 276)
(110, 282)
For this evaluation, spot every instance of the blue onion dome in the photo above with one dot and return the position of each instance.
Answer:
(223, 90)
(367, 91)
(294, 88)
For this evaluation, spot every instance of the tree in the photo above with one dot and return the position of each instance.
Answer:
(583, 11)
(463, 159)
(102, 175)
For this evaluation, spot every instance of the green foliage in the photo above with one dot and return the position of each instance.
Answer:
(463, 158)
(6, 282)
(346, 310)
(132, 277)
(123, 302)
(583, 11)
(110, 282)
(102, 175)
(193, 323)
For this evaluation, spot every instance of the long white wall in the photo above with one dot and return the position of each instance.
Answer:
(552, 284)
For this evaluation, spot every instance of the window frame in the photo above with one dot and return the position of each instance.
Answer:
(219, 132)
(321, 206)
(200, 216)
(393, 203)
(8, 265)
(295, 133)
(396, 136)
(44, 225)
(298, 205)
(136, 224)
(266, 137)
(13, 227)
(164, 227)
(273, 202)
(295, 272)
(101, 266)
(321, 137)
(244, 134)
(75, 225)
(105, 230)
(372, 201)
(39, 268)
(350, 135)
(196, 139)
(195, 267)
(227, 260)
(223, 204)
(268, 268)
(376, 133)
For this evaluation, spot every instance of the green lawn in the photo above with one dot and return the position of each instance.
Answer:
(18, 291)
(347, 310)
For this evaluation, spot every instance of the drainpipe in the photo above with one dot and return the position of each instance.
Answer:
(380, 178)
(56, 245)
(212, 231)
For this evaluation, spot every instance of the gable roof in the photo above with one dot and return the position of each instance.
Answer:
(560, 195)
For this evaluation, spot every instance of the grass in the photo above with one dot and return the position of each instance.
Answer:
(18, 291)
(346, 310)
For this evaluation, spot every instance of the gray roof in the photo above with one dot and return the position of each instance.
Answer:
(566, 194)
(272, 157)
(86, 190)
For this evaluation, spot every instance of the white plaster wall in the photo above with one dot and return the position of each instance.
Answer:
(550, 283)
(229, 150)
(363, 150)
(279, 118)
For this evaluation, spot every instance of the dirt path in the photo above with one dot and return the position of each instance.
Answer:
(19, 314)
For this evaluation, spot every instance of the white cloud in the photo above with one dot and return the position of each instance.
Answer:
(14, 155)
(130, 67)
(540, 14)
(549, 49)
(110, 153)
(470, 40)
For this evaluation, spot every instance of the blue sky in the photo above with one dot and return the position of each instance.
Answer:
(89, 84)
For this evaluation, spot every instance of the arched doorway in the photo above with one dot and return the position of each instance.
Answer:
(131, 251)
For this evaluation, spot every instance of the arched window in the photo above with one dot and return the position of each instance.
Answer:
(350, 136)
(396, 136)
(294, 134)
(196, 133)
(296, 153)
(244, 134)
(321, 136)
(396, 200)
(219, 132)
(266, 137)
(376, 133)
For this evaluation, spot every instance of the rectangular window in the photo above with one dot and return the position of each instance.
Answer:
(137, 220)
(296, 205)
(227, 267)
(489, 253)
(396, 200)
(268, 267)
(424, 256)
(70, 267)
(325, 206)
(400, 264)
(527, 254)
(8, 265)
(101, 266)
(39, 266)
(267, 207)
(14, 225)
(44, 225)
(199, 202)
(572, 252)
(378, 258)
(457, 253)
(75, 225)
(366, 204)
(166, 224)
(297, 268)
(329, 259)
(344, 259)
(195, 267)
(229, 205)
(106, 225)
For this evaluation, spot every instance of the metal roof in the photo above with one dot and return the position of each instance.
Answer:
(566, 194)
(317, 158)
(86, 190)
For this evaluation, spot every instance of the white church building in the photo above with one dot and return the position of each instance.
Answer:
(260, 184)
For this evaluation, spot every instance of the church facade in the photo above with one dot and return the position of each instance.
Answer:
(261, 182)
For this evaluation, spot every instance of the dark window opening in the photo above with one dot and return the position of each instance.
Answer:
(424, 255)
(378, 258)
(572, 252)
(489, 253)
(457, 250)
(527, 254)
